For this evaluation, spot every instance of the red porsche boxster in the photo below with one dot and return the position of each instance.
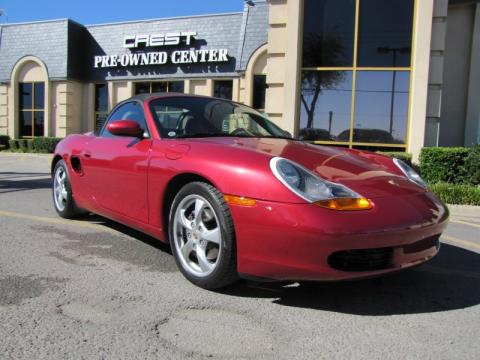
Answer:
(236, 196)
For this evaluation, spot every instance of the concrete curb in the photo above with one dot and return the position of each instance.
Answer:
(464, 210)
(25, 155)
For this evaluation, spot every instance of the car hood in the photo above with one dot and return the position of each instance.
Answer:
(371, 175)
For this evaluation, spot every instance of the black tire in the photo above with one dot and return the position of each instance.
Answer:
(225, 271)
(70, 209)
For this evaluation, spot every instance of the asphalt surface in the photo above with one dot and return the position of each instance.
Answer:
(93, 289)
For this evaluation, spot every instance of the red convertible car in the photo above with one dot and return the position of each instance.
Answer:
(235, 196)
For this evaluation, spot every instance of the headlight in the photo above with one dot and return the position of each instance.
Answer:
(411, 174)
(316, 190)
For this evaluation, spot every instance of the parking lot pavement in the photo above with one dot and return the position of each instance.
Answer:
(91, 288)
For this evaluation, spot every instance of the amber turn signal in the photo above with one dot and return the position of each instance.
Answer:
(346, 204)
(239, 200)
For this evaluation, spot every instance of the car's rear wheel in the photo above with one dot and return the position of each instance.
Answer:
(202, 236)
(62, 192)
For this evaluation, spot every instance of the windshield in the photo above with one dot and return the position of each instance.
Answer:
(185, 117)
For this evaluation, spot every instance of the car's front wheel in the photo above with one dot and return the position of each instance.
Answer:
(62, 192)
(202, 236)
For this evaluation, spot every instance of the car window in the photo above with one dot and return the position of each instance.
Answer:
(170, 117)
(206, 117)
(129, 111)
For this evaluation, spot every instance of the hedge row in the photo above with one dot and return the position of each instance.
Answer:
(457, 194)
(38, 145)
(454, 165)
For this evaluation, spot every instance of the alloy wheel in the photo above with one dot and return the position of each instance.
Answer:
(197, 235)
(60, 188)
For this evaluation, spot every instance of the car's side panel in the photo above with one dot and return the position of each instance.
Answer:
(71, 148)
(115, 172)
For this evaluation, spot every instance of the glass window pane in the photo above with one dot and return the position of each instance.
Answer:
(101, 97)
(259, 90)
(176, 86)
(385, 33)
(329, 29)
(381, 107)
(38, 123)
(25, 123)
(223, 89)
(159, 87)
(326, 99)
(39, 102)
(26, 94)
(170, 118)
(142, 88)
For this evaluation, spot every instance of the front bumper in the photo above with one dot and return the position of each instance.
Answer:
(280, 241)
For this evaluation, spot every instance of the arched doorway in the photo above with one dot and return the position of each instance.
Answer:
(30, 88)
(256, 79)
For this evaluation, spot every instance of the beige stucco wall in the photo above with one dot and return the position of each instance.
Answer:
(88, 104)
(122, 90)
(201, 87)
(419, 76)
(68, 110)
(283, 62)
(4, 109)
(257, 65)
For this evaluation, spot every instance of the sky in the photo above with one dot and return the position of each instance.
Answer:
(101, 11)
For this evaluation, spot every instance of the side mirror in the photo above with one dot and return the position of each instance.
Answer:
(125, 128)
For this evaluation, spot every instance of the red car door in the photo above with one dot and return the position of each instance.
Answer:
(116, 167)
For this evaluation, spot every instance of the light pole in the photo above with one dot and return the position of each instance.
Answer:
(394, 51)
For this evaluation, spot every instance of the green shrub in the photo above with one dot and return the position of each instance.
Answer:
(405, 157)
(22, 145)
(443, 164)
(472, 165)
(44, 144)
(13, 144)
(457, 194)
(36, 145)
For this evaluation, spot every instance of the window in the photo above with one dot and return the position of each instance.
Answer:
(329, 32)
(31, 109)
(381, 107)
(159, 86)
(128, 111)
(259, 90)
(223, 89)
(101, 105)
(326, 98)
(385, 33)
(356, 72)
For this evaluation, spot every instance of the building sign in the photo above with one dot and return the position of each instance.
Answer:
(191, 56)
(174, 38)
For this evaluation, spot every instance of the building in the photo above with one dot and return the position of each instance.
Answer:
(371, 74)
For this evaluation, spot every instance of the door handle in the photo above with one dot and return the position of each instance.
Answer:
(87, 154)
